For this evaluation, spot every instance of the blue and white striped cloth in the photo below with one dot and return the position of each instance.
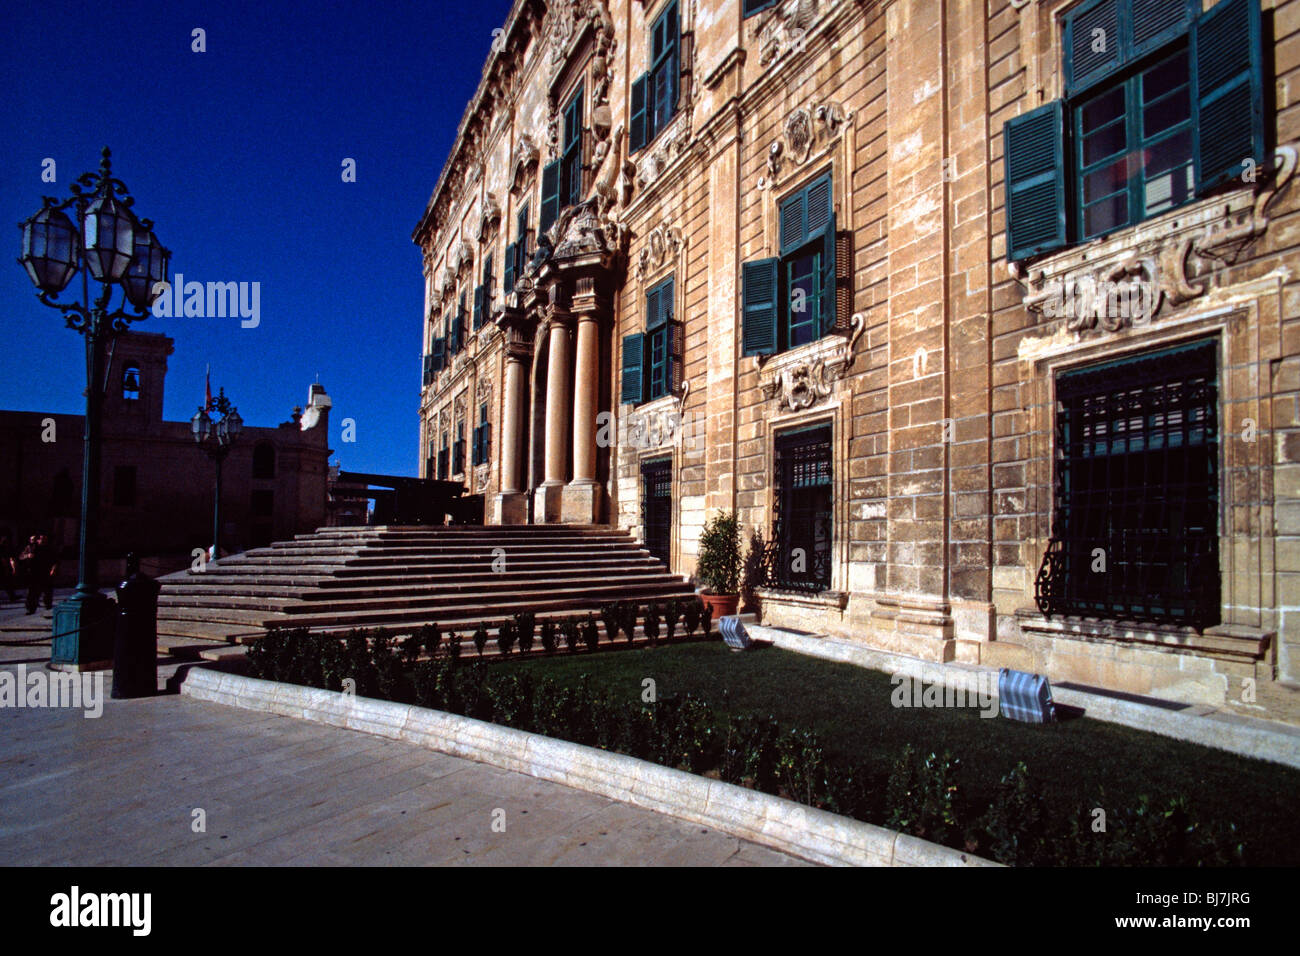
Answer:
(1027, 697)
(733, 632)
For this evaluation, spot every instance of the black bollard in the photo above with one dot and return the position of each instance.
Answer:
(135, 651)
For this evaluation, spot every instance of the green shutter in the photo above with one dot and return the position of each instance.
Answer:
(633, 355)
(508, 277)
(1095, 42)
(794, 221)
(439, 358)
(1153, 23)
(550, 195)
(759, 307)
(1229, 104)
(1034, 148)
(676, 355)
(478, 307)
(659, 305)
(752, 7)
(828, 277)
(637, 134)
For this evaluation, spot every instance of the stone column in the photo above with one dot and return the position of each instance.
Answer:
(582, 496)
(510, 506)
(548, 504)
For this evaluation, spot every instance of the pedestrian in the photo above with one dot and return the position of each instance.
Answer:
(8, 565)
(40, 566)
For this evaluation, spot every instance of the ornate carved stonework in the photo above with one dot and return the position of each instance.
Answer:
(806, 376)
(489, 217)
(464, 257)
(484, 390)
(784, 29)
(522, 161)
(807, 129)
(661, 245)
(1130, 278)
(670, 144)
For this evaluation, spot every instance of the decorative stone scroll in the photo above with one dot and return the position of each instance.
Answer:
(806, 377)
(489, 217)
(784, 32)
(1130, 279)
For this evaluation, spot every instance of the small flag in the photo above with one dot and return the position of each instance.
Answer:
(207, 388)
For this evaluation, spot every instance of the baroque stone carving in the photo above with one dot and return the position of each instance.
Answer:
(809, 377)
(661, 244)
(784, 30)
(1129, 279)
(671, 144)
(522, 160)
(806, 129)
(489, 217)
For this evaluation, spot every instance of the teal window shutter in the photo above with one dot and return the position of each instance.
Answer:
(794, 221)
(1034, 149)
(638, 129)
(676, 355)
(828, 277)
(633, 354)
(758, 281)
(752, 7)
(550, 195)
(439, 357)
(571, 169)
(508, 275)
(478, 306)
(1153, 23)
(1095, 41)
(1229, 102)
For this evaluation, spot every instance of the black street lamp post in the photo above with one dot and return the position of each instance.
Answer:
(215, 438)
(109, 244)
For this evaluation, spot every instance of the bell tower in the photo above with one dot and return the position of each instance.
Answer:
(133, 399)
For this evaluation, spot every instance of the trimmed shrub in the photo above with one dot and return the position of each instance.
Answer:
(921, 796)
(480, 638)
(505, 638)
(525, 626)
(651, 623)
(430, 638)
(549, 637)
(672, 614)
(590, 633)
(691, 610)
(611, 616)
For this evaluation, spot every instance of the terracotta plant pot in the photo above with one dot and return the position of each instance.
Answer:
(722, 604)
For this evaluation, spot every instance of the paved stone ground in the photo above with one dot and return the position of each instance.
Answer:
(121, 790)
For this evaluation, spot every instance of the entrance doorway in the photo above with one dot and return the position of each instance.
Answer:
(657, 506)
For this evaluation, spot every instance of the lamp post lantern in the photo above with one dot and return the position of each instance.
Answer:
(215, 438)
(108, 243)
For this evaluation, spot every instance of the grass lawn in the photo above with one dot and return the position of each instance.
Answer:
(849, 708)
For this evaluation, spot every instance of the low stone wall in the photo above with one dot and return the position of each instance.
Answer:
(759, 817)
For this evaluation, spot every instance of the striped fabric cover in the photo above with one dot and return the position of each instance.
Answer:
(733, 632)
(1026, 697)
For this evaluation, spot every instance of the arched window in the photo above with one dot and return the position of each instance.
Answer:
(264, 460)
(131, 383)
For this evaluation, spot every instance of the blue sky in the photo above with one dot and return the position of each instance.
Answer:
(236, 154)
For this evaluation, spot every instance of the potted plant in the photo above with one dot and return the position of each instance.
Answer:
(752, 578)
(718, 567)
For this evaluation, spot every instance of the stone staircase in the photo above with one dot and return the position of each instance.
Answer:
(395, 576)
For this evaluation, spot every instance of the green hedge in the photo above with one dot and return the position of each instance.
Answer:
(918, 797)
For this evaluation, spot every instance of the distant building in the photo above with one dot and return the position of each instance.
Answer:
(348, 504)
(156, 485)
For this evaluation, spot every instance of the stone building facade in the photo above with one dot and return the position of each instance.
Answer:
(982, 313)
(156, 487)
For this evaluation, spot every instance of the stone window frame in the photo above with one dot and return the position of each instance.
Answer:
(1244, 596)
(836, 414)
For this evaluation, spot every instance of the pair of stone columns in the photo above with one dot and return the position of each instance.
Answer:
(569, 411)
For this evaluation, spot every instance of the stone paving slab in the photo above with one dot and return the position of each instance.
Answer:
(119, 790)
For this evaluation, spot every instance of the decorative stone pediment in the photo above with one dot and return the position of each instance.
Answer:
(806, 377)
(806, 131)
(464, 257)
(1141, 273)
(489, 217)
(522, 162)
(661, 246)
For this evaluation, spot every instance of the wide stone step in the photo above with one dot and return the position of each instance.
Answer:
(433, 602)
(343, 588)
